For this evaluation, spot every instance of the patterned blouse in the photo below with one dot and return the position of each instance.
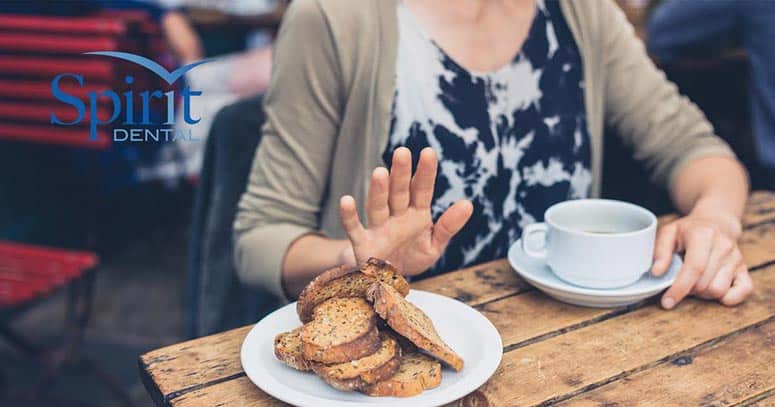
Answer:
(514, 141)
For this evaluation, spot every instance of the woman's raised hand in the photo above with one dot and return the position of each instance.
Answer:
(400, 227)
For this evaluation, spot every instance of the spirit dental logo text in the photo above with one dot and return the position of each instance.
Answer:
(127, 106)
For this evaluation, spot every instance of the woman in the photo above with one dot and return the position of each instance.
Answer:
(511, 96)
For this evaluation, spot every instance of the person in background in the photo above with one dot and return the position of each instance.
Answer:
(247, 69)
(499, 107)
(182, 39)
(228, 77)
(678, 29)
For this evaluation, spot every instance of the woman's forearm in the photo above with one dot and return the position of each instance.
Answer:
(307, 257)
(715, 187)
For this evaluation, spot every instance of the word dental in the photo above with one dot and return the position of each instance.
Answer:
(128, 118)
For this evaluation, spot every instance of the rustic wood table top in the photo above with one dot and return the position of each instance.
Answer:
(700, 353)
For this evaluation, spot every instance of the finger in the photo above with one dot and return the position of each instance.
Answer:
(741, 288)
(348, 214)
(424, 179)
(721, 282)
(377, 202)
(721, 258)
(664, 247)
(450, 222)
(698, 245)
(400, 179)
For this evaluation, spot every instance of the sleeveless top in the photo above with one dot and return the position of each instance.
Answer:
(514, 141)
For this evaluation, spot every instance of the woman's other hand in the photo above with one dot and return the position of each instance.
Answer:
(400, 227)
(713, 265)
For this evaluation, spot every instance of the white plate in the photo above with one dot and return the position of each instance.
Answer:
(467, 331)
(537, 273)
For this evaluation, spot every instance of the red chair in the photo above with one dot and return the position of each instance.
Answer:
(33, 49)
(31, 274)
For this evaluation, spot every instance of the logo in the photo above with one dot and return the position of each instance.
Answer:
(134, 125)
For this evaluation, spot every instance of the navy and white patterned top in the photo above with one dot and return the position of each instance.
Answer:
(513, 141)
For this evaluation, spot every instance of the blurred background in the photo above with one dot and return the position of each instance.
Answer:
(108, 249)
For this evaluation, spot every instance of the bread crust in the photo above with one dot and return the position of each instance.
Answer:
(382, 372)
(388, 350)
(287, 349)
(309, 299)
(416, 373)
(364, 345)
(386, 273)
(346, 281)
(323, 340)
(410, 322)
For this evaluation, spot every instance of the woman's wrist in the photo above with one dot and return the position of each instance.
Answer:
(308, 256)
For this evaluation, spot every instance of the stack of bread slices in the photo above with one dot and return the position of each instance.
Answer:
(361, 334)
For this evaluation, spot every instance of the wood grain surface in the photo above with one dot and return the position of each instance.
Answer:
(700, 353)
(478, 284)
(765, 400)
(713, 381)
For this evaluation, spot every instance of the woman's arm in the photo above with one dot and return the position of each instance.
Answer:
(291, 168)
(308, 256)
(674, 140)
(664, 129)
(277, 242)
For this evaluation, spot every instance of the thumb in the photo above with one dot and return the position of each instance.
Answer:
(450, 222)
(347, 256)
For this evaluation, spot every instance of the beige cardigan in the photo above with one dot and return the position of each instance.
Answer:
(328, 110)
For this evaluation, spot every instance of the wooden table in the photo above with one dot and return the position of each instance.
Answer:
(700, 353)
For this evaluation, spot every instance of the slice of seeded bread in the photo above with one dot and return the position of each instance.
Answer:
(348, 282)
(356, 374)
(341, 330)
(403, 343)
(410, 322)
(415, 374)
(287, 348)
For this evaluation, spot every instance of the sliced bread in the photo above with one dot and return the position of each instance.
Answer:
(410, 322)
(357, 374)
(403, 343)
(287, 348)
(348, 282)
(415, 374)
(341, 330)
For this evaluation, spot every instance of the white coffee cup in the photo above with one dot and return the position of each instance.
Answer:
(594, 243)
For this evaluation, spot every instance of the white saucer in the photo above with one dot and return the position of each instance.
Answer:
(466, 330)
(537, 273)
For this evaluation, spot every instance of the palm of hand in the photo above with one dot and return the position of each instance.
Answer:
(405, 241)
(401, 229)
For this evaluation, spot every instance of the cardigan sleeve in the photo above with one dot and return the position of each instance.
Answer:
(665, 130)
(292, 163)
